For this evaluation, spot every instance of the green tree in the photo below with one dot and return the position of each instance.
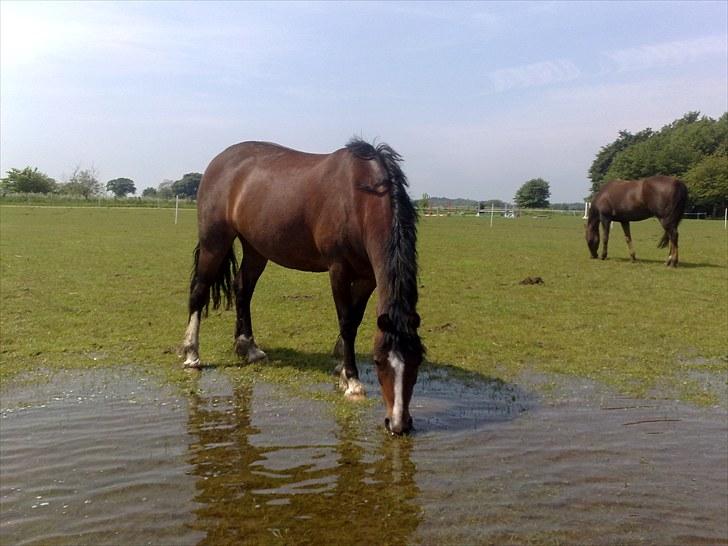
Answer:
(673, 150)
(606, 155)
(187, 186)
(149, 192)
(29, 180)
(120, 187)
(83, 182)
(533, 194)
(707, 182)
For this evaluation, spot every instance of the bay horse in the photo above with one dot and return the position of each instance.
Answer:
(348, 213)
(626, 201)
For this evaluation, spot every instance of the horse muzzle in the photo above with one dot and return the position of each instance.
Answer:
(403, 427)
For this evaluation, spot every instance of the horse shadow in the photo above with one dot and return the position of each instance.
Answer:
(446, 397)
(682, 265)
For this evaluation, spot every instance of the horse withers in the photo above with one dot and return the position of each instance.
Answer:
(626, 201)
(347, 213)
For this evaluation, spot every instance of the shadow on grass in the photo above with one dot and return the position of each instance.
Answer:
(681, 265)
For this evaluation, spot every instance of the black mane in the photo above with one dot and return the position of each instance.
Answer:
(401, 248)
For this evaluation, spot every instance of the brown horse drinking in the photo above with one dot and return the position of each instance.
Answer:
(347, 213)
(626, 201)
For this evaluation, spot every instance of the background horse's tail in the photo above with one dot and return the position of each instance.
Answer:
(676, 212)
(222, 283)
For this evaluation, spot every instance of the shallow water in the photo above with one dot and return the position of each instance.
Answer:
(108, 457)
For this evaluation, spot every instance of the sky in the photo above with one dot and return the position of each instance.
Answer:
(477, 97)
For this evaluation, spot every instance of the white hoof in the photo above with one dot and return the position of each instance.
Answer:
(352, 387)
(255, 354)
(192, 362)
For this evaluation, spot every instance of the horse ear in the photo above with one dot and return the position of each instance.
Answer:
(384, 323)
(414, 321)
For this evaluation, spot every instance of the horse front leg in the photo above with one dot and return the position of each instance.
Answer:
(350, 298)
(606, 224)
(251, 268)
(628, 238)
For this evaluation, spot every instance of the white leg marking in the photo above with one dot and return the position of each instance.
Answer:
(191, 342)
(397, 364)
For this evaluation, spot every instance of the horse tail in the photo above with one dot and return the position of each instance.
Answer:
(222, 283)
(675, 213)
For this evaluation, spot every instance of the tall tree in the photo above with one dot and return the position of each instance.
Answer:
(533, 194)
(707, 182)
(120, 187)
(606, 155)
(29, 180)
(83, 182)
(187, 185)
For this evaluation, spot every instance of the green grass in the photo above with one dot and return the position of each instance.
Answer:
(90, 287)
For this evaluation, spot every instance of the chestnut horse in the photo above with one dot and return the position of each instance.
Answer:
(347, 213)
(626, 201)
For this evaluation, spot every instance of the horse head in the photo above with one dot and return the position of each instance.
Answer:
(591, 230)
(398, 353)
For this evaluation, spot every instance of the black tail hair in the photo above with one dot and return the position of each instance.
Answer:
(223, 283)
(401, 249)
(676, 213)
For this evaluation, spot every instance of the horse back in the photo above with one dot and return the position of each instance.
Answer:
(300, 210)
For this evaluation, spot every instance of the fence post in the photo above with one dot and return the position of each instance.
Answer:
(176, 208)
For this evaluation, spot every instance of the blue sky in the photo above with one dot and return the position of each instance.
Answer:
(477, 97)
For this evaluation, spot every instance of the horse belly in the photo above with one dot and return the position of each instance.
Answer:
(293, 249)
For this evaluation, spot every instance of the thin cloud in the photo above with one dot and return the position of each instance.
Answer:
(534, 75)
(666, 53)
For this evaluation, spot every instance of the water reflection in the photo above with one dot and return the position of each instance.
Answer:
(302, 477)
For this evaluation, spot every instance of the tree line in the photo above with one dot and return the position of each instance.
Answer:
(693, 148)
(85, 183)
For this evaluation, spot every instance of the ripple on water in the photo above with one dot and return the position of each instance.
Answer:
(107, 457)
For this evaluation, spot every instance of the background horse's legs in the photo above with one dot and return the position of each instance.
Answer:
(606, 224)
(628, 238)
(350, 298)
(671, 234)
(251, 268)
(207, 263)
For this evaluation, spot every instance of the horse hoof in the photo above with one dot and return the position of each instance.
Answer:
(255, 355)
(353, 389)
(356, 397)
(192, 363)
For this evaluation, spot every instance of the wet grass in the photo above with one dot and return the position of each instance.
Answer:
(107, 287)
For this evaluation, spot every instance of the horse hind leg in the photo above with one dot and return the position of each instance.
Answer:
(672, 259)
(628, 238)
(251, 268)
(206, 269)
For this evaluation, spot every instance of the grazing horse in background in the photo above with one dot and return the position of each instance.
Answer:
(347, 213)
(626, 201)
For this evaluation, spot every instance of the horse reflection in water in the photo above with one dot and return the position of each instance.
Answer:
(347, 213)
(252, 492)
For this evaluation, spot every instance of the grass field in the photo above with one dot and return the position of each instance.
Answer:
(87, 287)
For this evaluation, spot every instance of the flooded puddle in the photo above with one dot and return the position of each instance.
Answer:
(108, 457)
